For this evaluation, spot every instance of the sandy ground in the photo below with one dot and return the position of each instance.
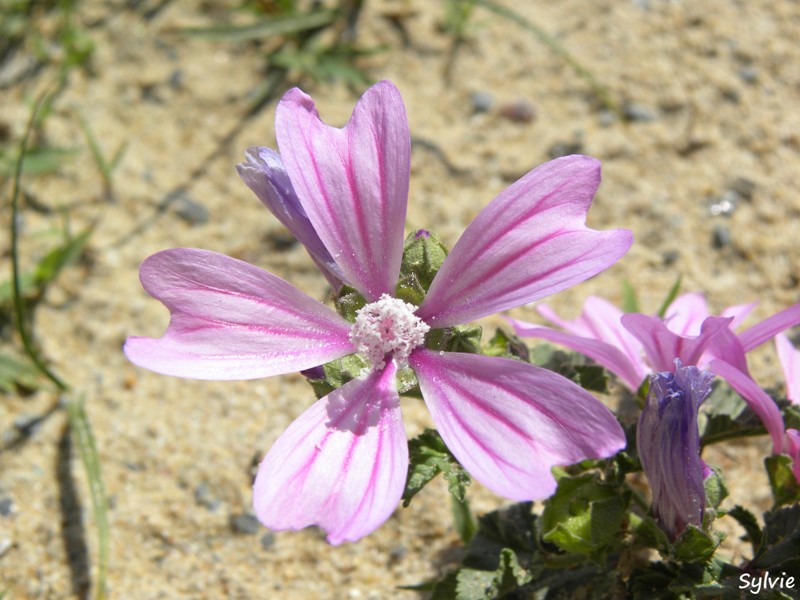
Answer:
(713, 90)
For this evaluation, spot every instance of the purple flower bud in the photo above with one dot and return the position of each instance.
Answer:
(422, 233)
(669, 446)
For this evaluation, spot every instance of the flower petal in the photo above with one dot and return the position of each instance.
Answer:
(789, 358)
(685, 315)
(341, 465)
(509, 422)
(231, 320)
(756, 398)
(264, 173)
(529, 242)
(662, 346)
(769, 327)
(352, 182)
(631, 373)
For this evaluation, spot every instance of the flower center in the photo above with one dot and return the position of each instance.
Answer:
(387, 326)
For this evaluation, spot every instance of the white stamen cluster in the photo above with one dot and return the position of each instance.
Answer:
(387, 326)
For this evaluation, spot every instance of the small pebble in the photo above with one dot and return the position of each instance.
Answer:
(190, 210)
(748, 74)
(518, 112)
(245, 523)
(204, 497)
(268, 540)
(5, 545)
(721, 237)
(670, 257)
(744, 187)
(7, 507)
(481, 102)
(723, 205)
(638, 112)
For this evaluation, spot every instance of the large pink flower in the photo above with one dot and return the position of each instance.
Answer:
(342, 464)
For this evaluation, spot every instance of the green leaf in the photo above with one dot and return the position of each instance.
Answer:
(475, 584)
(780, 542)
(748, 521)
(38, 161)
(695, 545)
(593, 378)
(428, 456)
(785, 488)
(584, 515)
(671, 295)
(58, 258)
(282, 25)
(724, 415)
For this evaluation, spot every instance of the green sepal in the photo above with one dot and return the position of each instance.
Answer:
(584, 515)
(407, 383)
(749, 523)
(337, 373)
(410, 290)
(785, 489)
(507, 346)
(422, 258)
(461, 338)
(695, 545)
(715, 489)
(428, 456)
(348, 302)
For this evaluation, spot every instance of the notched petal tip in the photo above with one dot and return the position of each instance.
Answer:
(341, 465)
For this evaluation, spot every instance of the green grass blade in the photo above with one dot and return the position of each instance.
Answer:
(673, 293)
(600, 91)
(630, 301)
(82, 432)
(16, 277)
(290, 24)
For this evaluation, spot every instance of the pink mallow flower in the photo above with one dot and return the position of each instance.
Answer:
(789, 357)
(633, 344)
(342, 464)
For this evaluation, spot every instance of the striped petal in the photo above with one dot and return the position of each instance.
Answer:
(264, 173)
(231, 320)
(632, 373)
(352, 182)
(529, 242)
(341, 465)
(789, 358)
(662, 346)
(770, 327)
(757, 399)
(509, 422)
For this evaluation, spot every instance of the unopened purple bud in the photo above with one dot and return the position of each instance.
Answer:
(422, 233)
(314, 373)
(668, 441)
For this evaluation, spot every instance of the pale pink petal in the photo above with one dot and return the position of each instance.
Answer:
(352, 182)
(529, 242)
(263, 172)
(756, 398)
(575, 326)
(789, 357)
(341, 465)
(631, 373)
(231, 320)
(509, 422)
(726, 346)
(686, 314)
(739, 313)
(769, 327)
(662, 346)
